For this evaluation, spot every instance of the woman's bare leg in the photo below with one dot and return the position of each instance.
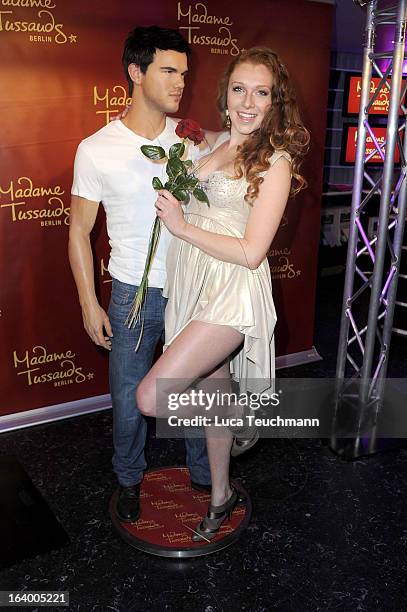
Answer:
(195, 353)
(198, 350)
(218, 443)
(219, 459)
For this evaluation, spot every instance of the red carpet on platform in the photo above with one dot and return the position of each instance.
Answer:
(170, 512)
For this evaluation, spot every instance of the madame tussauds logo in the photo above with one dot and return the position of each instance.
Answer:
(14, 198)
(205, 29)
(38, 366)
(40, 27)
(284, 268)
(106, 100)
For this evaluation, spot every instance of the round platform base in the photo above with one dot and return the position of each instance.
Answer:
(170, 511)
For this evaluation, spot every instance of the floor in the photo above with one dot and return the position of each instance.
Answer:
(326, 534)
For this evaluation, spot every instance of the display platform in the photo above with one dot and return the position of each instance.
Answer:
(171, 510)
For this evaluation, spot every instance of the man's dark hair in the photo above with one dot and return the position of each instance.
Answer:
(141, 45)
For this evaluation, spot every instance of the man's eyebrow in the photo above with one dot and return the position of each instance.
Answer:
(172, 69)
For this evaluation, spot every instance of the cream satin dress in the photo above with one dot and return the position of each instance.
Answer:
(202, 288)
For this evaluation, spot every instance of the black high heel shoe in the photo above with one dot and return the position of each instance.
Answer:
(215, 517)
(242, 443)
(244, 437)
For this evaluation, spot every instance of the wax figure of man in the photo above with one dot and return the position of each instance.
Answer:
(110, 168)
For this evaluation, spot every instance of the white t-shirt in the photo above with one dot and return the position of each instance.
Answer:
(110, 168)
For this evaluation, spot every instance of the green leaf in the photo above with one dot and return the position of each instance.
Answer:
(180, 194)
(190, 182)
(177, 150)
(157, 184)
(179, 178)
(200, 195)
(175, 167)
(153, 152)
(183, 182)
(188, 163)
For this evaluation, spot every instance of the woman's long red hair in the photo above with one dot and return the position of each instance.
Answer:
(281, 128)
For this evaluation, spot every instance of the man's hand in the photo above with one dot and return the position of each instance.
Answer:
(95, 321)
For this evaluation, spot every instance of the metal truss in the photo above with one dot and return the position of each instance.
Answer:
(369, 298)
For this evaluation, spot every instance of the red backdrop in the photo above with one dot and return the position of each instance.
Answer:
(61, 79)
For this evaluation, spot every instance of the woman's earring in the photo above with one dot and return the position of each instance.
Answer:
(228, 122)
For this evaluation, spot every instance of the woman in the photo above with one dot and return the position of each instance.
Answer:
(219, 287)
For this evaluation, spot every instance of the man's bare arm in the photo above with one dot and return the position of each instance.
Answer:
(83, 217)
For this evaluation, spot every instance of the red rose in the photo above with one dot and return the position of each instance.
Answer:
(188, 128)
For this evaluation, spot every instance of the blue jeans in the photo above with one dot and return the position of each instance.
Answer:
(126, 369)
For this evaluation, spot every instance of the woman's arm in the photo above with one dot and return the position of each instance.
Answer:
(263, 222)
(211, 137)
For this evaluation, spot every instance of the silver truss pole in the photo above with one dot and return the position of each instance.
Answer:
(370, 366)
(391, 136)
(392, 292)
(357, 190)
